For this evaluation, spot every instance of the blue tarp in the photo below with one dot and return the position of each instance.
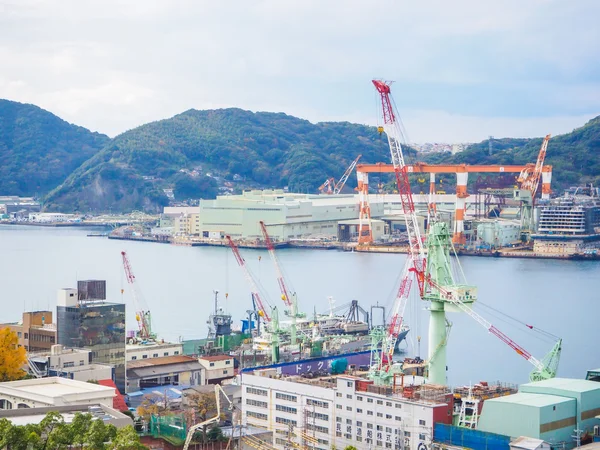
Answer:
(466, 437)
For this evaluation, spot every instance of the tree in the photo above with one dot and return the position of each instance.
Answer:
(126, 438)
(12, 357)
(205, 407)
(152, 405)
(350, 447)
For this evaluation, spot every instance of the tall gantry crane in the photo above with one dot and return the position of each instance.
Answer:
(142, 316)
(529, 180)
(434, 276)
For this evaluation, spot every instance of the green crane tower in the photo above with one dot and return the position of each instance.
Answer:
(440, 283)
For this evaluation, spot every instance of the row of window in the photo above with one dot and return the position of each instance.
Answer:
(317, 415)
(318, 428)
(287, 409)
(155, 355)
(256, 415)
(287, 397)
(252, 402)
(251, 390)
(317, 403)
(285, 421)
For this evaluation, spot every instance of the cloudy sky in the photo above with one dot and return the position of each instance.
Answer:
(463, 69)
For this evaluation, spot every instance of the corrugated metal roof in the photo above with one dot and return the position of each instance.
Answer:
(529, 399)
(565, 384)
(526, 443)
(142, 372)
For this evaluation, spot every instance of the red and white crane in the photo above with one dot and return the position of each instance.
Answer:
(280, 280)
(250, 279)
(142, 317)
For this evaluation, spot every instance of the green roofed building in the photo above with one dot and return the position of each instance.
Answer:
(550, 410)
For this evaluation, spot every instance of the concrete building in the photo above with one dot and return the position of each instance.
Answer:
(86, 320)
(166, 370)
(72, 363)
(549, 410)
(181, 220)
(53, 392)
(218, 368)
(35, 331)
(26, 416)
(151, 349)
(343, 410)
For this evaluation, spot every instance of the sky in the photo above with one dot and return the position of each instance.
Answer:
(463, 69)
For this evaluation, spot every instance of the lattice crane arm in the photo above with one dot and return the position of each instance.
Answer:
(340, 184)
(142, 317)
(249, 278)
(280, 280)
(530, 180)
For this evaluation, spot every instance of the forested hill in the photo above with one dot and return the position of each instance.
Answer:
(39, 150)
(575, 156)
(197, 151)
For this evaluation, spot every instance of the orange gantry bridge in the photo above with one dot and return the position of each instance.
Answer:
(462, 174)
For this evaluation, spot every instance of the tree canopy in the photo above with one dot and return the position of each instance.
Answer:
(12, 357)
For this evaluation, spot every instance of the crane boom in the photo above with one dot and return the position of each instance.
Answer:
(530, 181)
(280, 281)
(340, 184)
(394, 133)
(249, 278)
(142, 317)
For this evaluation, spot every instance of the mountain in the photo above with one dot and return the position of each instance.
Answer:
(198, 152)
(575, 156)
(39, 150)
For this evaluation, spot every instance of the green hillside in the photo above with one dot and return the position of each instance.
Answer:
(39, 150)
(197, 151)
(575, 157)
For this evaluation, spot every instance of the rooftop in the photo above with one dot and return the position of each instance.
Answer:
(565, 384)
(161, 361)
(35, 415)
(216, 358)
(151, 344)
(530, 399)
(53, 387)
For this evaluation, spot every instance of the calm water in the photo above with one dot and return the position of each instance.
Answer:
(561, 297)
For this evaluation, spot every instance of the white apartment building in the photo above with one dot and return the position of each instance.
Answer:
(217, 367)
(135, 352)
(344, 410)
(73, 363)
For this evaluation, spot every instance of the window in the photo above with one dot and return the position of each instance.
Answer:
(287, 397)
(338, 419)
(317, 415)
(369, 412)
(380, 402)
(69, 364)
(81, 362)
(349, 384)
(359, 410)
(388, 416)
(388, 429)
(398, 418)
(388, 445)
(379, 443)
(338, 406)
(133, 358)
(176, 352)
(285, 421)
(379, 414)
(144, 356)
(318, 403)
(19, 334)
(422, 422)
(256, 415)
(26, 335)
(255, 391)
(212, 364)
(228, 361)
(369, 400)
(166, 354)
(359, 398)
(338, 394)
(224, 372)
(388, 404)
(358, 423)
(379, 428)
(370, 426)
(348, 408)
(407, 433)
(155, 355)
(358, 438)
(338, 433)
(348, 396)
(286, 409)
(318, 428)
(348, 436)
(258, 403)
(349, 421)
(421, 437)
(398, 405)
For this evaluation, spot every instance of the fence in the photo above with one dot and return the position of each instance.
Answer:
(469, 438)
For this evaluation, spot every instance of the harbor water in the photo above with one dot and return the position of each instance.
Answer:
(561, 297)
